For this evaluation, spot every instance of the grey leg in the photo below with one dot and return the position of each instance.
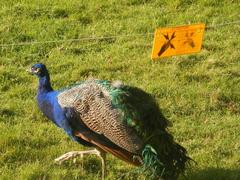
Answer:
(74, 154)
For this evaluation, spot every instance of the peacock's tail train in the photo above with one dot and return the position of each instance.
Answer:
(162, 157)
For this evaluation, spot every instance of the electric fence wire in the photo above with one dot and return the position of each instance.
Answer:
(94, 38)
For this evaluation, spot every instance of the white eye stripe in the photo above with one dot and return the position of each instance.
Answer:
(36, 70)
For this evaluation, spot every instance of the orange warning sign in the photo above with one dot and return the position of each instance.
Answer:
(177, 40)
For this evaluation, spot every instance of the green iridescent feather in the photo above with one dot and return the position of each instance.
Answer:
(162, 157)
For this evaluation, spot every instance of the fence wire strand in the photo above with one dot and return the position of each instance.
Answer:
(94, 38)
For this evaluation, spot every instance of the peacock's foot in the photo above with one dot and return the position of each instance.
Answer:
(74, 154)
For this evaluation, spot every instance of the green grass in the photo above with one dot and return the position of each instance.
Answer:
(198, 93)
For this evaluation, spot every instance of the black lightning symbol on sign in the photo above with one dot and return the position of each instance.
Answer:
(167, 44)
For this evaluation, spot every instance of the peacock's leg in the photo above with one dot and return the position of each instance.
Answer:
(102, 156)
(74, 154)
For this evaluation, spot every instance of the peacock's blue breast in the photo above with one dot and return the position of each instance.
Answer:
(48, 103)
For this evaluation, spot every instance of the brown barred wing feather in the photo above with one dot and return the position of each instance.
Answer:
(93, 105)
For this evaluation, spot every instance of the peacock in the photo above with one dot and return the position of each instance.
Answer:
(113, 118)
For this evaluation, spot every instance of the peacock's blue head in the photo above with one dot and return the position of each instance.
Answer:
(39, 70)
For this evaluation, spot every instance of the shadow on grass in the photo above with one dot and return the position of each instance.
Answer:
(204, 174)
(215, 174)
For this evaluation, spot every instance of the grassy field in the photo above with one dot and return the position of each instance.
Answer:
(199, 94)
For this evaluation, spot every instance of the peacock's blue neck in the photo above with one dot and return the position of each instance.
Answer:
(45, 97)
(44, 85)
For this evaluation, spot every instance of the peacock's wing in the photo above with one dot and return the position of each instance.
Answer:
(94, 104)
